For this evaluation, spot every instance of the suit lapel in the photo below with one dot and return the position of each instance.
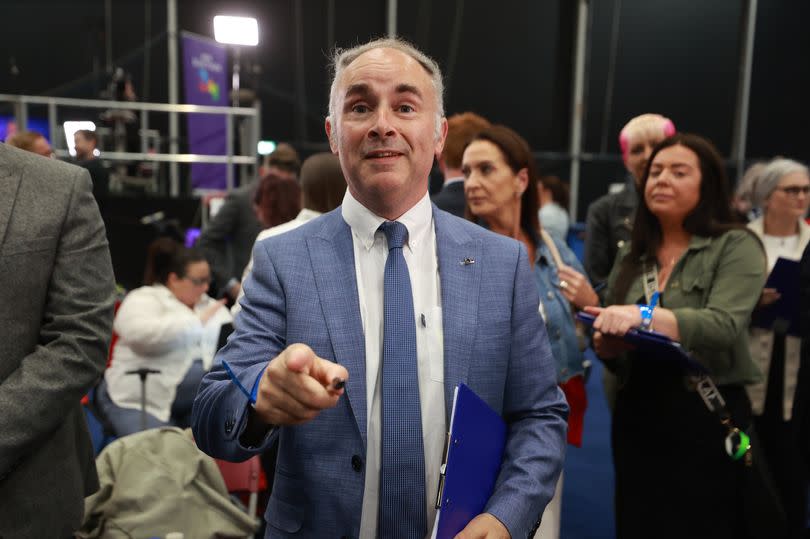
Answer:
(460, 275)
(332, 255)
(9, 183)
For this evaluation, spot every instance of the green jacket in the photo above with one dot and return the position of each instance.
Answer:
(712, 290)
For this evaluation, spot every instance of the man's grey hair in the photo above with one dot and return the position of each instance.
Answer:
(342, 58)
(770, 176)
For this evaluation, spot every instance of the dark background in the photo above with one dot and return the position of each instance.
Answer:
(511, 61)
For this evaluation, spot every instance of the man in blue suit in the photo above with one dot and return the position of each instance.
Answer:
(322, 308)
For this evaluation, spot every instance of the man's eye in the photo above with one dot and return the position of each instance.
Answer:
(406, 108)
(360, 108)
(465, 171)
(486, 169)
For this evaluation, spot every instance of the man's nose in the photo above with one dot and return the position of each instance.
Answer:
(382, 126)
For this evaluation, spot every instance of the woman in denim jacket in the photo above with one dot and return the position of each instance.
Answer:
(500, 186)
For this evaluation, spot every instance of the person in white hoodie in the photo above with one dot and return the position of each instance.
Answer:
(169, 325)
(782, 193)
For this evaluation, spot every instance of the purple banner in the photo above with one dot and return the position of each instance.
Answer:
(204, 75)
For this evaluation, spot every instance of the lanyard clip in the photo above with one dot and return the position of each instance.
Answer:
(738, 444)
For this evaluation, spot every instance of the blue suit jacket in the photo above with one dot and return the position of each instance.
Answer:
(303, 289)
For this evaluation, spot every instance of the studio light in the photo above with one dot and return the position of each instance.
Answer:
(236, 30)
(239, 32)
(265, 147)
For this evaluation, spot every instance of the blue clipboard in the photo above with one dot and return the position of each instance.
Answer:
(784, 277)
(473, 460)
(654, 345)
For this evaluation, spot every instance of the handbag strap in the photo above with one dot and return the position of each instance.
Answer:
(738, 444)
(549, 241)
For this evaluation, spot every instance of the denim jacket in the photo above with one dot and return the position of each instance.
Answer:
(556, 310)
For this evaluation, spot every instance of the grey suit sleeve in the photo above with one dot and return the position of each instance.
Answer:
(214, 239)
(536, 414)
(74, 334)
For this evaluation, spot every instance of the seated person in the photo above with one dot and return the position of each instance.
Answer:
(170, 325)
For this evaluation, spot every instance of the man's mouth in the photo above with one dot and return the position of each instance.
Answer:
(382, 154)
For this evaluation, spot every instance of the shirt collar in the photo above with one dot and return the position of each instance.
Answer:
(306, 214)
(696, 243)
(365, 223)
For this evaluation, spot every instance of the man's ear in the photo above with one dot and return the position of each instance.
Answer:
(441, 138)
(331, 135)
(442, 163)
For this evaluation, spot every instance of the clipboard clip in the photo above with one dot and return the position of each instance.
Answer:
(442, 473)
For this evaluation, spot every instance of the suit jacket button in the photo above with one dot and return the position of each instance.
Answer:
(357, 463)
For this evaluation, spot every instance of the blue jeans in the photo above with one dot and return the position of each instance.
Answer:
(127, 421)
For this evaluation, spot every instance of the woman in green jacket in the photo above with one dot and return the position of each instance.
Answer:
(673, 476)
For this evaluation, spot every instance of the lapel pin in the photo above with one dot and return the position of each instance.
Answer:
(467, 261)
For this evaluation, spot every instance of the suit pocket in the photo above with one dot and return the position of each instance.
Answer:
(696, 289)
(283, 516)
(434, 337)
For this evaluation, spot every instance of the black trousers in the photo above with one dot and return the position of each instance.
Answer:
(673, 476)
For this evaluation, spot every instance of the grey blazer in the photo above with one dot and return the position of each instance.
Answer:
(56, 298)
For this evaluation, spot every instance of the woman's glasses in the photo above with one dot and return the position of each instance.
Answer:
(199, 281)
(795, 190)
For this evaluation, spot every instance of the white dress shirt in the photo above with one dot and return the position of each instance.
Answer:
(370, 254)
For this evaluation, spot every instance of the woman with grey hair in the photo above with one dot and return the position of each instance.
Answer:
(742, 202)
(782, 192)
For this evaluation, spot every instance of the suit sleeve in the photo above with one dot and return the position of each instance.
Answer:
(74, 334)
(535, 411)
(220, 409)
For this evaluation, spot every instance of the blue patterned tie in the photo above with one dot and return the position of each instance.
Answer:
(402, 471)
